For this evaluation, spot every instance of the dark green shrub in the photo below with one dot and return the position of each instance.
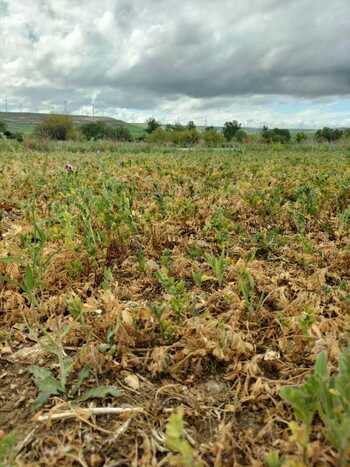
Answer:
(230, 129)
(94, 130)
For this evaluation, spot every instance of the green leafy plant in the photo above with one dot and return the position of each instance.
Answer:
(247, 286)
(197, 277)
(306, 320)
(176, 290)
(107, 279)
(218, 266)
(165, 326)
(75, 307)
(329, 396)
(50, 385)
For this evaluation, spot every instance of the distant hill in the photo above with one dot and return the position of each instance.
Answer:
(25, 122)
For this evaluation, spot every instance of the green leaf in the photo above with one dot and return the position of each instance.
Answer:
(10, 259)
(28, 279)
(66, 367)
(83, 375)
(100, 392)
(47, 385)
(303, 401)
(272, 459)
(342, 380)
(321, 367)
(175, 438)
(7, 444)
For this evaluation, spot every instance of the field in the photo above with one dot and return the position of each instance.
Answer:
(186, 290)
(25, 122)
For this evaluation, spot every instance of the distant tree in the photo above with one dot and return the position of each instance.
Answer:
(191, 125)
(300, 137)
(3, 127)
(94, 130)
(276, 135)
(100, 130)
(58, 127)
(230, 129)
(152, 125)
(328, 134)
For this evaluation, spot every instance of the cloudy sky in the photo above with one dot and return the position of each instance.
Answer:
(276, 62)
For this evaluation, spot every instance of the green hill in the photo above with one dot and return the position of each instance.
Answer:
(25, 122)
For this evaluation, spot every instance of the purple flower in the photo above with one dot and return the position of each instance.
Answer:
(69, 168)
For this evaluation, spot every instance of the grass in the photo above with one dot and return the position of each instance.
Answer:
(201, 289)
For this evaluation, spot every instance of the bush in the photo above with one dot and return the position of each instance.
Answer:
(213, 138)
(121, 133)
(181, 137)
(159, 136)
(100, 130)
(277, 135)
(56, 127)
(300, 137)
(94, 130)
(10, 135)
(241, 136)
(185, 137)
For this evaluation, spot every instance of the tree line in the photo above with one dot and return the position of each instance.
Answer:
(61, 128)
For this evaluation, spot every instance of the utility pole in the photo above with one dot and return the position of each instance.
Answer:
(6, 104)
(93, 110)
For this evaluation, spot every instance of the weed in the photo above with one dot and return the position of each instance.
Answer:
(218, 266)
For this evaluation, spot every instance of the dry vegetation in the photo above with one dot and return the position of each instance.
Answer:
(186, 288)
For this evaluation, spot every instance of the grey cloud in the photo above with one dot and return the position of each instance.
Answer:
(145, 55)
